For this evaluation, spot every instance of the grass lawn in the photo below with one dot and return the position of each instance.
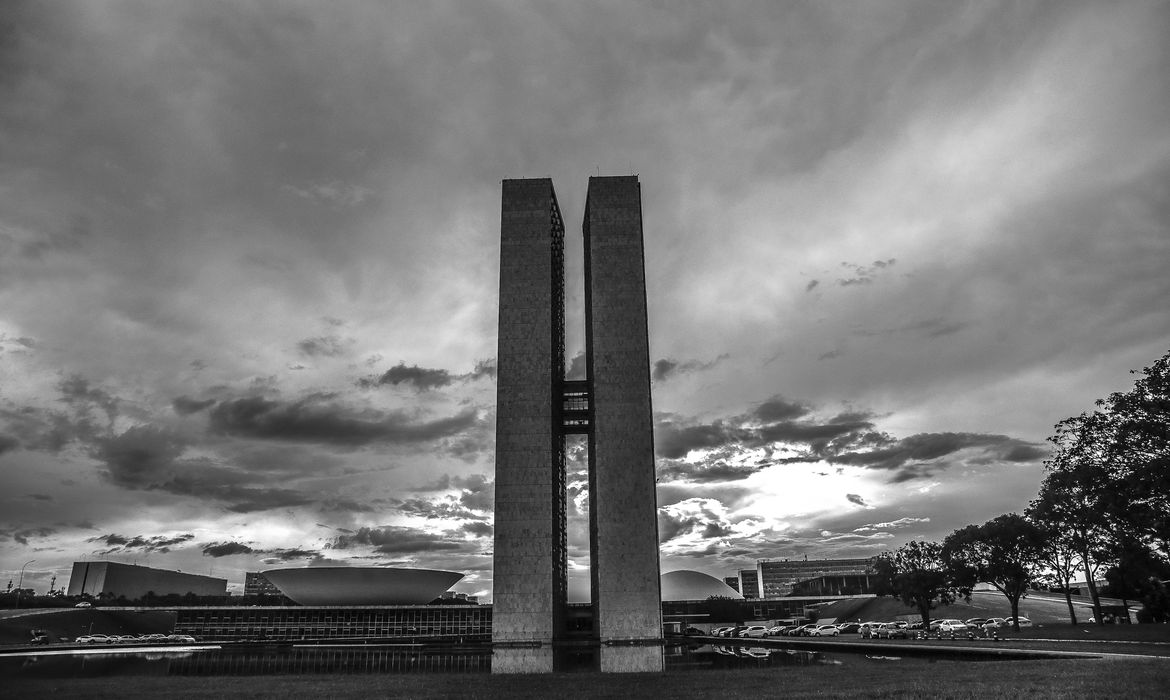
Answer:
(1084, 678)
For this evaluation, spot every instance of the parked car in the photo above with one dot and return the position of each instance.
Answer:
(804, 630)
(83, 604)
(754, 631)
(891, 630)
(916, 625)
(867, 629)
(849, 627)
(1024, 622)
(976, 622)
(824, 631)
(994, 622)
(951, 625)
(181, 638)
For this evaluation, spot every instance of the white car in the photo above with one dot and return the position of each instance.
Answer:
(824, 631)
(756, 631)
(952, 626)
(994, 622)
(1024, 622)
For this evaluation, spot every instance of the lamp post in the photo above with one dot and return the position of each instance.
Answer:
(21, 584)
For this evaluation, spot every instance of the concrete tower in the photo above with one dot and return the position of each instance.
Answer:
(537, 407)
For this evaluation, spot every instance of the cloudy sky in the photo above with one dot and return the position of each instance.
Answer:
(249, 265)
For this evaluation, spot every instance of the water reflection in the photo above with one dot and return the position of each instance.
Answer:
(481, 659)
(258, 661)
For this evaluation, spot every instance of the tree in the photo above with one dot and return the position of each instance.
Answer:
(1139, 453)
(1004, 552)
(724, 609)
(1060, 560)
(1108, 482)
(918, 575)
(1137, 575)
(1077, 494)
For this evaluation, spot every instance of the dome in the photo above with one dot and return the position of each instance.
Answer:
(694, 585)
(366, 585)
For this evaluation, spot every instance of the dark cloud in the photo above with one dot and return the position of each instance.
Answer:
(392, 539)
(434, 509)
(779, 408)
(811, 285)
(703, 473)
(668, 367)
(916, 456)
(420, 378)
(345, 505)
(426, 379)
(864, 274)
(478, 528)
(484, 368)
(675, 441)
(76, 392)
(930, 328)
(147, 458)
(185, 405)
(663, 369)
(292, 554)
(226, 549)
(854, 498)
(477, 492)
(22, 535)
(8, 443)
(139, 457)
(311, 421)
(324, 346)
(155, 543)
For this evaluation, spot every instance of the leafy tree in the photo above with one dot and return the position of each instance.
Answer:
(918, 575)
(1108, 482)
(1139, 453)
(1137, 576)
(1004, 552)
(1060, 560)
(1076, 496)
(724, 609)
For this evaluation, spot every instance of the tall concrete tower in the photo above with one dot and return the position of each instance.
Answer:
(537, 408)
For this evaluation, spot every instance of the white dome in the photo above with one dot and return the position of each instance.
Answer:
(694, 585)
(365, 585)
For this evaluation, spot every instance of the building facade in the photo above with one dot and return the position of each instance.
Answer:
(537, 408)
(129, 581)
(749, 583)
(779, 578)
(256, 583)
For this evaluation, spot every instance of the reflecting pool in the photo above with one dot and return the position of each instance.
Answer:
(359, 659)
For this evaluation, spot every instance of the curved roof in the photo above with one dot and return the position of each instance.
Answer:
(694, 585)
(365, 585)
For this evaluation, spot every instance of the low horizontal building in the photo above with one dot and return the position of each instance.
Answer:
(316, 624)
(98, 578)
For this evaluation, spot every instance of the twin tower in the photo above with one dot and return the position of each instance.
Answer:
(537, 407)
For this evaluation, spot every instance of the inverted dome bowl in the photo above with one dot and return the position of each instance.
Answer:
(694, 585)
(346, 585)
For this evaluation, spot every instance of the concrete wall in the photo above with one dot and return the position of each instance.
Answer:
(622, 498)
(97, 577)
(530, 565)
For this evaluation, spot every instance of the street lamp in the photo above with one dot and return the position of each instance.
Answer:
(21, 584)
